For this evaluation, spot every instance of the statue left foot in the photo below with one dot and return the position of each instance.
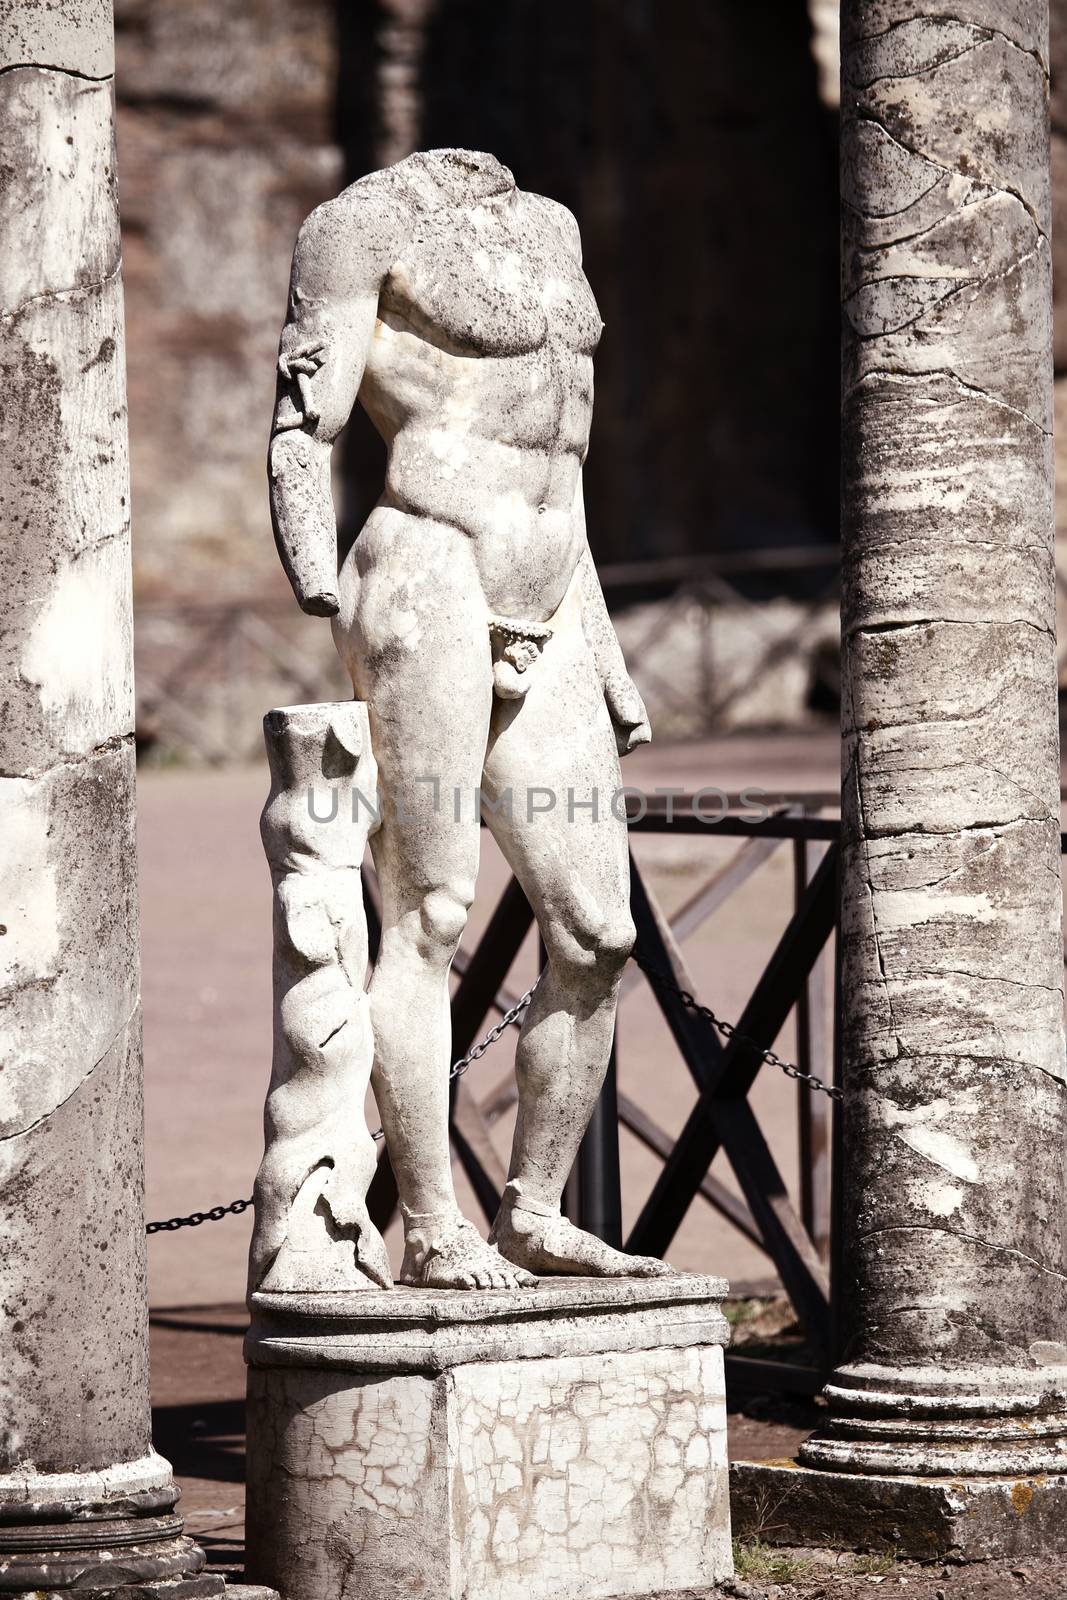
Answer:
(532, 1236)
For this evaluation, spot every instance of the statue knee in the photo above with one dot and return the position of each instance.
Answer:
(615, 943)
(442, 919)
(593, 953)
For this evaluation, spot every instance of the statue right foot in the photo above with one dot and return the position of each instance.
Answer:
(444, 1251)
(536, 1236)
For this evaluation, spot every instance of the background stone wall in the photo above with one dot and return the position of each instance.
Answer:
(699, 155)
(694, 152)
(226, 135)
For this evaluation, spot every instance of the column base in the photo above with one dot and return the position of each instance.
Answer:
(99, 1533)
(506, 1445)
(927, 1422)
(925, 1519)
(203, 1588)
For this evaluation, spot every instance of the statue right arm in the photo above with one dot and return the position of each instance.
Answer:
(343, 252)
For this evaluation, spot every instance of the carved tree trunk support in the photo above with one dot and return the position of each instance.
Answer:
(84, 1500)
(955, 1285)
(529, 1444)
(312, 1227)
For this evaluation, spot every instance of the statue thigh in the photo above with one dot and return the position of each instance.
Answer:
(413, 636)
(553, 755)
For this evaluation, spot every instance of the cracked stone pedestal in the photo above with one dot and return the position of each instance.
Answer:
(506, 1445)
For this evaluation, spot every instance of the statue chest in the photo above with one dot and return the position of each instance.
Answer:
(477, 286)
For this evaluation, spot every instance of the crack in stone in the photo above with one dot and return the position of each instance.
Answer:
(107, 746)
(971, 1238)
(982, 826)
(865, 114)
(988, 34)
(959, 287)
(921, 374)
(21, 1133)
(51, 66)
(991, 849)
(333, 1033)
(934, 66)
(879, 547)
(962, 832)
(880, 958)
(931, 305)
(71, 292)
(994, 33)
(947, 719)
(908, 974)
(948, 622)
(1023, 788)
(857, 249)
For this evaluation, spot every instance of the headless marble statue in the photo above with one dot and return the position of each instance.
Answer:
(469, 615)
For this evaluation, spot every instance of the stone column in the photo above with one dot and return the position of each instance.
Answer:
(84, 1500)
(955, 1279)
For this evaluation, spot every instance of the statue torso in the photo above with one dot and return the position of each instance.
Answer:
(496, 280)
(480, 372)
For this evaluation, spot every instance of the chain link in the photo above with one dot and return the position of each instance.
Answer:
(662, 981)
(457, 1070)
(216, 1214)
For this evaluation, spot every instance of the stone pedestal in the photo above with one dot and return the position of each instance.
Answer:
(564, 1440)
(97, 1531)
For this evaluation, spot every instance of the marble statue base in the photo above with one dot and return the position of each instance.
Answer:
(506, 1445)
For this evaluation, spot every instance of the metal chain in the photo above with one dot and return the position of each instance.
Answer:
(476, 1051)
(662, 980)
(216, 1214)
(457, 1070)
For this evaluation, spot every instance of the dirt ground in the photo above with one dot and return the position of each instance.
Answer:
(825, 1575)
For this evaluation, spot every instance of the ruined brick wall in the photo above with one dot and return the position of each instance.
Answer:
(226, 141)
(691, 149)
(701, 165)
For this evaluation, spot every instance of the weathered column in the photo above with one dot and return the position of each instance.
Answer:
(84, 1500)
(955, 1276)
